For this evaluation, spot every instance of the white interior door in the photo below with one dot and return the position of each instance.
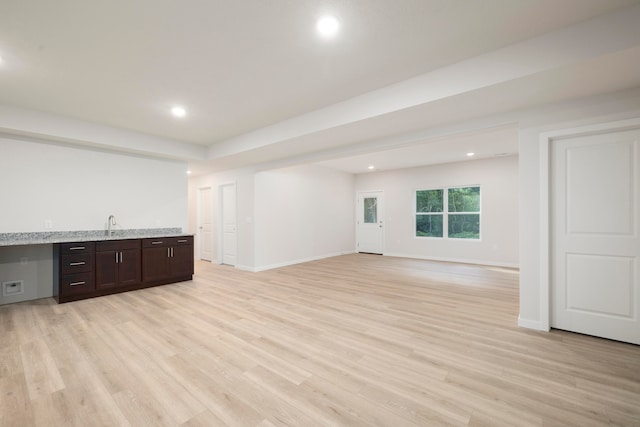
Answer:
(228, 224)
(370, 231)
(595, 244)
(205, 223)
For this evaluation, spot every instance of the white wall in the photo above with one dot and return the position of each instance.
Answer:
(498, 179)
(77, 189)
(302, 213)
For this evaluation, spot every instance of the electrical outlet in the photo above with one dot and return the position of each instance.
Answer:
(48, 224)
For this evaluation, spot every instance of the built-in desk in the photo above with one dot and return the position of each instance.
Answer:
(87, 264)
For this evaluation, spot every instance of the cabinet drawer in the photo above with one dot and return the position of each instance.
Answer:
(77, 263)
(167, 241)
(77, 283)
(154, 243)
(76, 247)
(117, 245)
(182, 240)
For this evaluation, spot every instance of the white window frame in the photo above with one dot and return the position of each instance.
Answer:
(445, 213)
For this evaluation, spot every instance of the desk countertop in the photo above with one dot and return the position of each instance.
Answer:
(50, 237)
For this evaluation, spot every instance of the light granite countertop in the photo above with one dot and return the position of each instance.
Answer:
(50, 237)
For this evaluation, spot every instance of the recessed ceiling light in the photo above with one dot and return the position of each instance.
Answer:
(188, 172)
(178, 111)
(371, 167)
(327, 26)
(471, 154)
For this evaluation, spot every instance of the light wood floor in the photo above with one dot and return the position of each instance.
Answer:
(353, 340)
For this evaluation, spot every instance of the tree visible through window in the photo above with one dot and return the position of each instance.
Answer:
(429, 208)
(464, 213)
(458, 213)
(370, 210)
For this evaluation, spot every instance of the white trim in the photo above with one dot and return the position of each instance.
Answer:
(456, 260)
(299, 261)
(546, 139)
(544, 301)
(245, 268)
(531, 324)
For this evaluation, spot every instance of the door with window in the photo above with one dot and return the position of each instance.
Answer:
(595, 243)
(370, 230)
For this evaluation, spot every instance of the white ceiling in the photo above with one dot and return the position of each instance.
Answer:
(251, 72)
(497, 142)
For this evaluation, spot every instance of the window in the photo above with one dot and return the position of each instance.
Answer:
(464, 213)
(458, 213)
(429, 213)
(370, 210)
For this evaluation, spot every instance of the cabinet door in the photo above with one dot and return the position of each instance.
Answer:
(155, 264)
(106, 269)
(129, 267)
(182, 261)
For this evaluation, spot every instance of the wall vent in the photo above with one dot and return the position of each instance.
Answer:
(15, 287)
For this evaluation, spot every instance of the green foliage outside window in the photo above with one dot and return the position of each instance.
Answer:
(464, 199)
(429, 200)
(429, 206)
(462, 224)
(462, 210)
(429, 225)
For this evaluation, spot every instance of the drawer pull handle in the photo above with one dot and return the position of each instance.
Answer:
(77, 263)
(156, 243)
(182, 241)
(77, 283)
(77, 248)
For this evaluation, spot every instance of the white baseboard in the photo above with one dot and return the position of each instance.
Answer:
(299, 261)
(530, 324)
(245, 268)
(459, 260)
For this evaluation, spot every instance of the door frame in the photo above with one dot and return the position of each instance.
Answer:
(199, 219)
(545, 211)
(221, 220)
(357, 233)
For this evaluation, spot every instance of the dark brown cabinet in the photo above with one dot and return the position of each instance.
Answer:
(167, 259)
(118, 263)
(73, 270)
(90, 269)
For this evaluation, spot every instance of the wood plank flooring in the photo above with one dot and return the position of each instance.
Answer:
(346, 341)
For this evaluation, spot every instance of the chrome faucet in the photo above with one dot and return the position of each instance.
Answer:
(111, 221)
